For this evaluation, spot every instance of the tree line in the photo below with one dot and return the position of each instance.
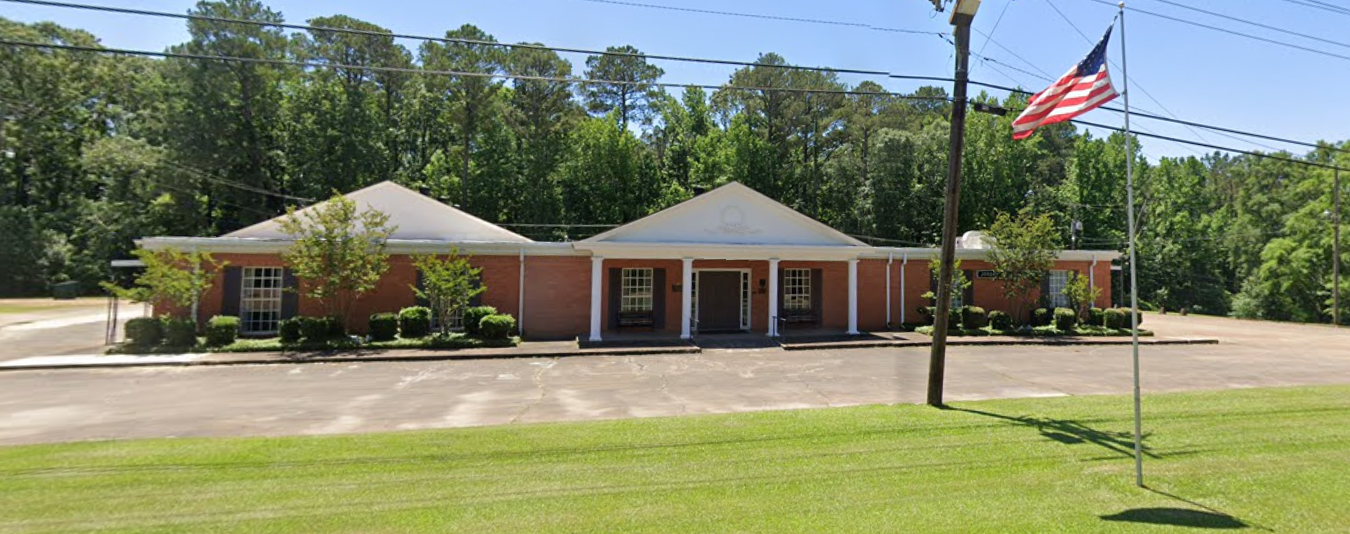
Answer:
(106, 148)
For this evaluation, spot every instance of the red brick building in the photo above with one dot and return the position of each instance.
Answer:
(730, 260)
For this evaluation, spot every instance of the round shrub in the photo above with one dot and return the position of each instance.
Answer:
(1000, 320)
(1113, 318)
(315, 329)
(974, 317)
(414, 322)
(1040, 317)
(222, 330)
(497, 326)
(145, 331)
(337, 328)
(1125, 318)
(473, 317)
(1065, 319)
(1096, 317)
(954, 317)
(290, 330)
(179, 332)
(383, 326)
(927, 312)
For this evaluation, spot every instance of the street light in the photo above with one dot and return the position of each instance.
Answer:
(961, 18)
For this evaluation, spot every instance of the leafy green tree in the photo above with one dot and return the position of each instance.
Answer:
(471, 104)
(1024, 250)
(171, 278)
(630, 97)
(449, 283)
(338, 252)
(1081, 294)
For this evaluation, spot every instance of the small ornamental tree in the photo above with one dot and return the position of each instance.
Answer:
(1024, 250)
(449, 283)
(338, 253)
(171, 277)
(959, 281)
(1081, 294)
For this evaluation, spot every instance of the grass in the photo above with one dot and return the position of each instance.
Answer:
(1262, 458)
(1038, 331)
(453, 342)
(29, 305)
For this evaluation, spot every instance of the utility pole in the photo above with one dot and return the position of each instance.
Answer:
(1336, 249)
(961, 18)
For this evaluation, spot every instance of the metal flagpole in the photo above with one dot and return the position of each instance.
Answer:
(1134, 278)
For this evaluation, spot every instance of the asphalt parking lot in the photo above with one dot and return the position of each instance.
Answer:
(67, 405)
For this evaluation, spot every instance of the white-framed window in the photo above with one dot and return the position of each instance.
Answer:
(260, 300)
(745, 300)
(1058, 281)
(796, 289)
(636, 295)
(958, 295)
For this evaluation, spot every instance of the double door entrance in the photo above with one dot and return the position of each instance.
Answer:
(721, 300)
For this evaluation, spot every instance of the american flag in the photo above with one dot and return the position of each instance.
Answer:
(1082, 89)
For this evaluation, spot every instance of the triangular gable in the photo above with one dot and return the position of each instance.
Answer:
(415, 216)
(731, 214)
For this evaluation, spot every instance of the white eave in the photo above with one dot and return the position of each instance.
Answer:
(246, 245)
(719, 251)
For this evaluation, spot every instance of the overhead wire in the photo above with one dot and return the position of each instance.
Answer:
(1228, 31)
(467, 74)
(1252, 23)
(548, 78)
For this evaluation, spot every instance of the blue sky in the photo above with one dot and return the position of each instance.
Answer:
(1195, 73)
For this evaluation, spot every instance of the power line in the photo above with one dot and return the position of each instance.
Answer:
(1215, 147)
(1326, 146)
(766, 17)
(1131, 82)
(460, 40)
(1321, 5)
(1251, 23)
(1228, 31)
(994, 30)
(409, 70)
(558, 49)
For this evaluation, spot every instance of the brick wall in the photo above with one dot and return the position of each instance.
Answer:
(557, 297)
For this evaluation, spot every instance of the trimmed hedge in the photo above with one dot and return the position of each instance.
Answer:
(222, 330)
(497, 326)
(1096, 317)
(1113, 318)
(974, 317)
(337, 328)
(383, 326)
(179, 332)
(1000, 320)
(414, 322)
(1065, 319)
(1040, 317)
(145, 331)
(289, 330)
(318, 329)
(473, 318)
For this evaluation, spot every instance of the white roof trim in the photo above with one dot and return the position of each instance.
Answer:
(733, 188)
(245, 245)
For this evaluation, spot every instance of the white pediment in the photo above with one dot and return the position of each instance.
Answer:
(415, 216)
(729, 215)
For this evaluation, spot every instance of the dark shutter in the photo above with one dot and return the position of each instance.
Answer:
(968, 296)
(659, 299)
(418, 300)
(817, 289)
(1045, 290)
(232, 291)
(477, 300)
(932, 285)
(290, 294)
(615, 288)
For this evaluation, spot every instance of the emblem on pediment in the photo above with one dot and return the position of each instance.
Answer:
(733, 223)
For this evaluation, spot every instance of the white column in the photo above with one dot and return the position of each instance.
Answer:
(686, 296)
(773, 298)
(597, 275)
(852, 296)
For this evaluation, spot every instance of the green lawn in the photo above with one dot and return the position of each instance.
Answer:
(1274, 459)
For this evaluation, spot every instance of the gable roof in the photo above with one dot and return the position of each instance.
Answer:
(414, 216)
(731, 215)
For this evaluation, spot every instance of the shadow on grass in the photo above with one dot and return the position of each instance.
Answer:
(1070, 432)
(1181, 517)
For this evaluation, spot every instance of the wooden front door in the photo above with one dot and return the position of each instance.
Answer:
(719, 301)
